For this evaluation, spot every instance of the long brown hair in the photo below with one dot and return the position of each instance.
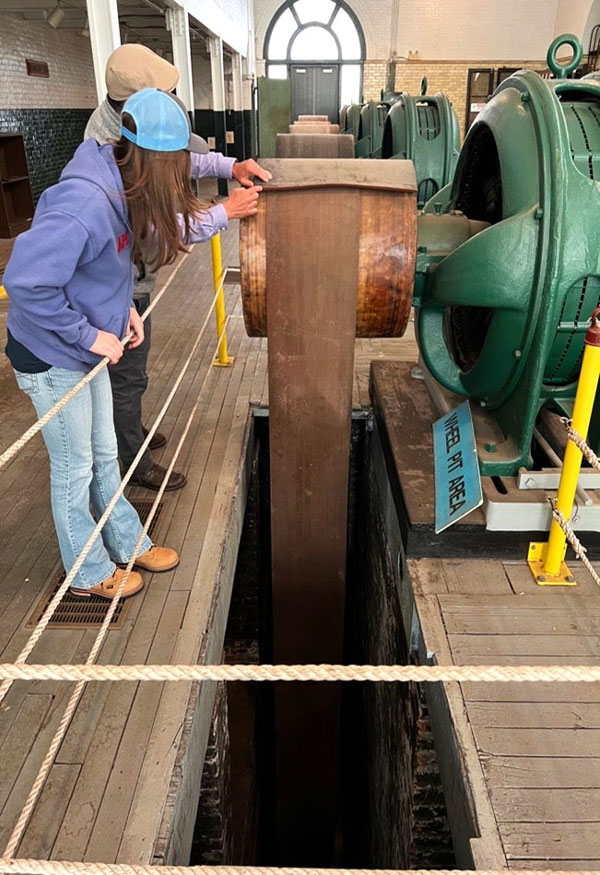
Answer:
(157, 188)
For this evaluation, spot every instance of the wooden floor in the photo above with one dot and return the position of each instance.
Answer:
(522, 762)
(126, 778)
(527, 754)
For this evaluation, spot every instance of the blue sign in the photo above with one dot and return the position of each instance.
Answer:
(457, 478)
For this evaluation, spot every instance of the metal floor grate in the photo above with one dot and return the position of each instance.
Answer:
(77, 612)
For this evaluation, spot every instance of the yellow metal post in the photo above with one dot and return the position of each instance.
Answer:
(547, 560)
(3, 295)
(222, 360)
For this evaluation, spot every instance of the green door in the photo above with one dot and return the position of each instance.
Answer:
(274, 113)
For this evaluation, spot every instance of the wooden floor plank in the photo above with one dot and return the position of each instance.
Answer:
(546, 805)
(558, 841)
(19, 741)
(29, 766)
(522, 581)
(531, 692)
(46, 819)
(574, 864)
(535, 715)
(476, 576)
(554, 742)
(116, 801)
(537, 743)
(465, 647)
(535, 772)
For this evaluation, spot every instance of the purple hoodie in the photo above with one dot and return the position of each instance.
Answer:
(71, 273)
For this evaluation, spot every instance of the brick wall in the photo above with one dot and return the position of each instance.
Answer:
(449, 77)
(50, 113)
(374, 79)
(212, 834)
(431, 846)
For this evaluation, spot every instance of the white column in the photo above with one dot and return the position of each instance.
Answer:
(238, 85)
(217, 71)
(247, 84)
(177, 23)
(103, 18)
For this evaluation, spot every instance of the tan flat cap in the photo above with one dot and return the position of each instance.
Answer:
(133, 67)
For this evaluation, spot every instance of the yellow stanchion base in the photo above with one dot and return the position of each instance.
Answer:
(217, 363)
(536, 557)
(3, 294)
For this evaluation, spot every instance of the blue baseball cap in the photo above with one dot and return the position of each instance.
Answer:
(162, 123)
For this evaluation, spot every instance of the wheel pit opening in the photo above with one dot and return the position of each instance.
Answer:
(391, 806)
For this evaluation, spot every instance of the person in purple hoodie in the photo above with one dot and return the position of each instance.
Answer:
(131, 68)
(69, 281)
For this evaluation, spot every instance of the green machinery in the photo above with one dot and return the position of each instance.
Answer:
(350, 119)
(508, 274)
(370, 131)
(424, 130)
(365, 122)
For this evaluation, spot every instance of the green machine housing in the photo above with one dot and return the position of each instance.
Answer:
(425, 131)
(508, 274)
(365, 121)
(370, 130)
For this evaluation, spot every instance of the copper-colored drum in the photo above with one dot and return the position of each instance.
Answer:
(383, 207)
(314, 128)
(314, 146)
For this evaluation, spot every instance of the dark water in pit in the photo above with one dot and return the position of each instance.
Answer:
(392, 812)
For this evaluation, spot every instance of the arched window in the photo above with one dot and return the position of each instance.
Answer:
(317, 31)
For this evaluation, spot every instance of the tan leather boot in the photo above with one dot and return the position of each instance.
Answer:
(158, 559)
(108, 588)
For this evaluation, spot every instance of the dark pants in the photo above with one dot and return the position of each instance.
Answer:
(129, 379)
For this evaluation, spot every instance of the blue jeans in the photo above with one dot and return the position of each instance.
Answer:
(84, 470)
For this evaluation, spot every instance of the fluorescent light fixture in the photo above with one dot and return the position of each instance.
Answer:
(56, 16)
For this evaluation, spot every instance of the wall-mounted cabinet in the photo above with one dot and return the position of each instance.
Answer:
(16, 201)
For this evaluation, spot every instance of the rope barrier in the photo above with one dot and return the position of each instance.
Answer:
(581, 445)
(580, 551)
(322, 673)
(18, 445)
(65, 722)
(59, 867)
(576, 545)
(47, 616)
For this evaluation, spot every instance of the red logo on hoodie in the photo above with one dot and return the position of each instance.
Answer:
(122, 241)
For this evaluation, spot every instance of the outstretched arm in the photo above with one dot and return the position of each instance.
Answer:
(217, 165)
(242, 202)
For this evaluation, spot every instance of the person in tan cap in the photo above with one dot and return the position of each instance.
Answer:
(129, 69)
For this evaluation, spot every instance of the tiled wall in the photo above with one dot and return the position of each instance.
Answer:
(50, 135)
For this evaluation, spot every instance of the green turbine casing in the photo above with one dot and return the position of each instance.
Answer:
(425, 131)
(503, 306)
(370, 132)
